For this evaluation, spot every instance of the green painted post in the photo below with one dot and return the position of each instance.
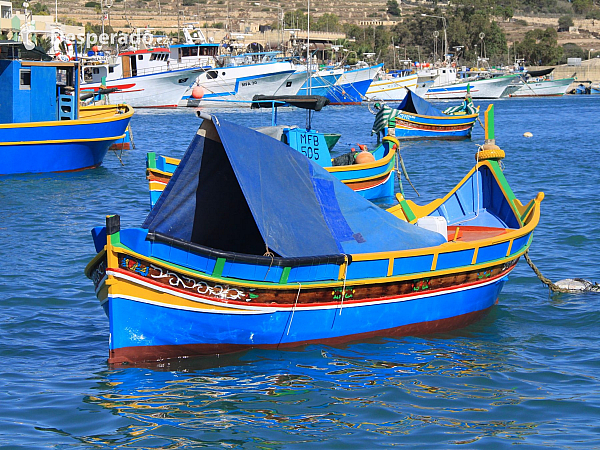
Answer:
(490, 135)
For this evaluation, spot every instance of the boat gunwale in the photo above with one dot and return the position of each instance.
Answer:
(448, 247)
(465, 116)
(128, 112)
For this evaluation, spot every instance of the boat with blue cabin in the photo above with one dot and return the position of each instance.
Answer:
(252, 245)
(42, 126)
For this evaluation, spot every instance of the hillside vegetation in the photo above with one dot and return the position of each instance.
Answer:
(492, 30)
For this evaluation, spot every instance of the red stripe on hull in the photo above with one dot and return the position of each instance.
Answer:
(134, 355)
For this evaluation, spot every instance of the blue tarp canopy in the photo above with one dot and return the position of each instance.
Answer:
(242, 191)
(414, 104)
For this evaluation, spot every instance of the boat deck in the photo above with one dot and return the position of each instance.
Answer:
(462, 233)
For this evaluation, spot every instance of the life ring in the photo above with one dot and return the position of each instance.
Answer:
(392, 139)
(493, 154)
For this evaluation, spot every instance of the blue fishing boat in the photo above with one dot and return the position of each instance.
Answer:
(252, 245)
(416, 118)
(352, 86)
(42, 127)
(368, 172)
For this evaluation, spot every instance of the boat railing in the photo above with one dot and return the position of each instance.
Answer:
(169, 68)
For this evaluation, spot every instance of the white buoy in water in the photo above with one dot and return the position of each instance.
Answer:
(528, 134)
(578, 285)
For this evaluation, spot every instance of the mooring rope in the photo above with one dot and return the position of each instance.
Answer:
(479, 120)
(293, 309)
(553, 287)
(118, 155)
(579, 284)
(400, 161)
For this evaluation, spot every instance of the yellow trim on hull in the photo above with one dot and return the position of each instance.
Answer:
(63, 141)
(86, 119)
(118, 286)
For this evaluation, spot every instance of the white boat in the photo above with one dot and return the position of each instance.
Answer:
(541, 84)
(320, 83)
(352, 86)
(482, 85)
(392, 86)
(237, 79)
(146, 78)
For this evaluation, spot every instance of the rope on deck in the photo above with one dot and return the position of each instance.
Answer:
(577, 284)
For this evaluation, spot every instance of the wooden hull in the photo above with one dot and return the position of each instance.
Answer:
(392, 89)
(382, 310)
(165, 298)
(155, 90)
(62, 146)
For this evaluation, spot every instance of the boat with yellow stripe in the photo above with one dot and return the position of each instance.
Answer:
(232, 257)
(42, 126)
(416, 118)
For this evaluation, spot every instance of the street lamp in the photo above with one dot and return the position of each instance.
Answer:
(590, 53)
(445, 35)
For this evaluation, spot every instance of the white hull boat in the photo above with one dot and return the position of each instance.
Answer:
(388, 88)
(544, 88)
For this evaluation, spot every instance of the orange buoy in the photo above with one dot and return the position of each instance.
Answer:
(364, 157)
(197, 92)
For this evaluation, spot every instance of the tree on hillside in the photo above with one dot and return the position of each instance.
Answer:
(539, 5)
(393, 9)
(540, 47)
(40, 9)
(327, 22)
(582, 6)
(564, 22)
(295, 19)
(571, 50)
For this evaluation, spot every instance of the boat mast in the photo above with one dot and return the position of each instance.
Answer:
(308, 62)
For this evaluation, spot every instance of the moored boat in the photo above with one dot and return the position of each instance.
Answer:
(143, 78)
(42, 126)
(254, 246)
(392, 86)
(416, 118)
(541, 84)
(352, 86)
(450, 84)
(236, 79)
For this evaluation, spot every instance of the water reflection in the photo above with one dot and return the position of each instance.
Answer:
(412, 386)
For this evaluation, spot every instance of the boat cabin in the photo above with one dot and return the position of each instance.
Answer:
(34, 88)
(127, 64)
(202, 54)
(144, 62)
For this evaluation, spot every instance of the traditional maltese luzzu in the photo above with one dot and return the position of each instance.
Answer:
(252, 245)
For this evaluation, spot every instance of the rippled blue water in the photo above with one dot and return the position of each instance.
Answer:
(528, 373)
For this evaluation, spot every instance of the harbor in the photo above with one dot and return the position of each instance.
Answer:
(485, 382)
(227, 244)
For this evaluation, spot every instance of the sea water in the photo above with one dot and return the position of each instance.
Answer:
(528, 373)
